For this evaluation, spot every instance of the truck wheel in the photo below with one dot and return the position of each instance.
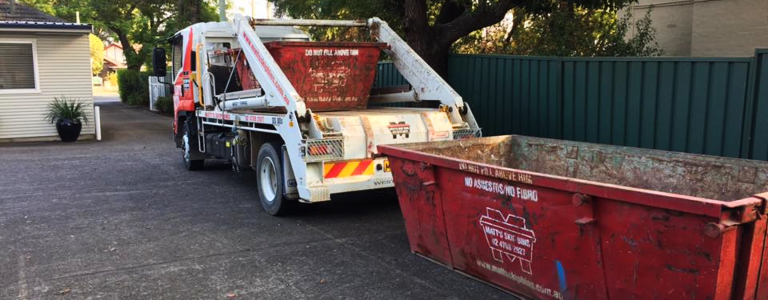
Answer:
(270, 179)
(189, 144)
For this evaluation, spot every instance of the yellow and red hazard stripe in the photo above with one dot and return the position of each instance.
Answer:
(348, 168)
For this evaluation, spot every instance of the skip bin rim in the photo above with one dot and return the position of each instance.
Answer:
(647, 197)
(281, 44)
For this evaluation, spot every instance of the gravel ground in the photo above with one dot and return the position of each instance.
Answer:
(121, 219)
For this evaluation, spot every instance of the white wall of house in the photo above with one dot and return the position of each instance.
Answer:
(63, 69)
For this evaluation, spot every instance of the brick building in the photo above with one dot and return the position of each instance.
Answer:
(708, 27)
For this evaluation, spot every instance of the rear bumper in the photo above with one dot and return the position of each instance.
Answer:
(379, 180)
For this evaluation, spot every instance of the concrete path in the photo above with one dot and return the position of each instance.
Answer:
(122, 219)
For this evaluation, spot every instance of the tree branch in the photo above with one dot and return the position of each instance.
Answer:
(517, 20)
(449, 11)
(416, 15)
(480, 18)
(129, 12)
(163, 20)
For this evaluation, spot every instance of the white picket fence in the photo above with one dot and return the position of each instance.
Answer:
(156, 89)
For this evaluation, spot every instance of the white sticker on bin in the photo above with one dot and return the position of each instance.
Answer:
(502, 189)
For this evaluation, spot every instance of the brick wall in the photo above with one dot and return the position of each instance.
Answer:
(729, 27)
(707, 27)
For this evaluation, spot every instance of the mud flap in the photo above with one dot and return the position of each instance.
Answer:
(290, 191)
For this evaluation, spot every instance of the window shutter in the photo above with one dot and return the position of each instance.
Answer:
(17, 68)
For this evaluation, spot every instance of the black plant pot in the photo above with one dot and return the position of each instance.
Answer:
(69, 130)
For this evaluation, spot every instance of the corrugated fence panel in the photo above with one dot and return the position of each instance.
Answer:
(680, 104)
(714, 106)
(387, 75)
(509, 94)
(759, 127)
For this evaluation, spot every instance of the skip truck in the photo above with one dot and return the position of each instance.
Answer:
(301, 114)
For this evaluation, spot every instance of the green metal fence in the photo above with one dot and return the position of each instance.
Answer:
(756, 124)
(387, 75)
(510, 94)
(686, 105)
(715, 106)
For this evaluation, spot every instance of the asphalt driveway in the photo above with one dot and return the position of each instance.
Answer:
(122, 219)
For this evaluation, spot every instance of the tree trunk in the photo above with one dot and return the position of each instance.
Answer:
(433, 42)
(194, 11)
(433, 50)
(131, 59)
(424, 39)
(190, 10)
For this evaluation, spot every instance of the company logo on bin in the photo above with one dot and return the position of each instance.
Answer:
(508, 238)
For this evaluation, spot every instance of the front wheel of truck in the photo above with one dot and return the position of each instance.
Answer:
(270, 179)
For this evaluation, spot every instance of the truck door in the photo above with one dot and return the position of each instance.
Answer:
(184, 64)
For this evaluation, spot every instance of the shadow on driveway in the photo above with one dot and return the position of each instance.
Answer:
(121, 218)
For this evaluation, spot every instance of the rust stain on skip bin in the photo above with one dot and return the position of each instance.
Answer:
(551, 219)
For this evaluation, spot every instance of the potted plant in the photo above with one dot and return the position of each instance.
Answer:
(68, 114)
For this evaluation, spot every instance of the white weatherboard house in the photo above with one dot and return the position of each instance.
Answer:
(41, 57)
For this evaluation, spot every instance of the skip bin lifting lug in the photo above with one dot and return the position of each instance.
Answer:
(715, 230)
(762, 210)
(430, 180)
(580, 199)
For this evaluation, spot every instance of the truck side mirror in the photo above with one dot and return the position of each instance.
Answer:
(159, 62)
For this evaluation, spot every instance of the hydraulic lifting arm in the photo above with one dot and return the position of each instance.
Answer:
(427, 84)
(279, 91)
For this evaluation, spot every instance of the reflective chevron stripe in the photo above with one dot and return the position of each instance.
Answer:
(348, 168)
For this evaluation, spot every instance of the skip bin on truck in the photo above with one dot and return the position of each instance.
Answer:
(261, 95)
(550, 219)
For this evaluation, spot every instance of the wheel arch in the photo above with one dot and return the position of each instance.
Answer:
(257, 139)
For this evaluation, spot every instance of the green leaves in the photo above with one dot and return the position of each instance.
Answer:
(97, 54)
(66, 109)
(138, 24)
(574, 30)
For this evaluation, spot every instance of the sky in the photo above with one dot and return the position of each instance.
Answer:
(254, 8)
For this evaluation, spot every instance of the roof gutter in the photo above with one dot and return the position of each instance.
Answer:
(46, 27)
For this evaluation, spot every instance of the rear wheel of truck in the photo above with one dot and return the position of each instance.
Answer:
(189, 144)
(270, 179)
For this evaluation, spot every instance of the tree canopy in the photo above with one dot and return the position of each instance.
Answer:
(97, 54)
(570, 31)
(431, 27)
(137, 24)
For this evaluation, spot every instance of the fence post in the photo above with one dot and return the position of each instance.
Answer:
(757, 103)
(749, 106)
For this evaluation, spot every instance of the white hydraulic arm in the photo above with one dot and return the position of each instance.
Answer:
(279, 91)
(427, 84)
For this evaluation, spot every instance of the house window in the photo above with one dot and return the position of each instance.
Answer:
(18, 66)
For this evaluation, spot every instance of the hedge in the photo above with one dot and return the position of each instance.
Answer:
(133, 87)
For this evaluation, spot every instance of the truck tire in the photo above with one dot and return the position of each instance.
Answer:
(189, 144)
(270, 179)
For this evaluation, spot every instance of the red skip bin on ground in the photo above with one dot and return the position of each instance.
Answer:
(551, 219)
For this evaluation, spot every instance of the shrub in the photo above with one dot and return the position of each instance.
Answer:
(164, 104)
(66, 109)
(112, 78)
(132, 87)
